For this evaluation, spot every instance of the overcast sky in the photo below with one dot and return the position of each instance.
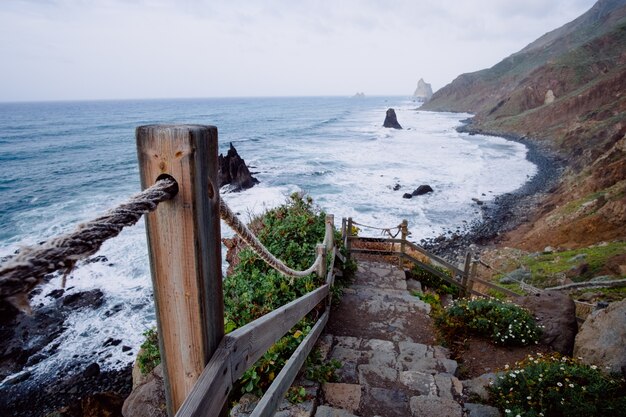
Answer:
(108, 49)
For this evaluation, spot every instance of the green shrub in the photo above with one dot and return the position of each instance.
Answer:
(434, 282)
(558, 386)
(505, 323)
(149, 356)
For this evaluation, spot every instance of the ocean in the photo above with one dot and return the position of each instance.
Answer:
(66, 162)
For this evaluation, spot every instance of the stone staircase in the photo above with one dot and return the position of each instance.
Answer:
(383, 336)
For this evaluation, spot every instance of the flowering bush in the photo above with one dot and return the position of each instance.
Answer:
(505, 323)
(558, 386)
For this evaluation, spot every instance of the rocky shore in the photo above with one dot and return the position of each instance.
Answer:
(506, 211)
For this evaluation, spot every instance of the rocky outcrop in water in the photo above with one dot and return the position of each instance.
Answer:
(424, 91)
(421, 190)
(391, 120)
(233, 171)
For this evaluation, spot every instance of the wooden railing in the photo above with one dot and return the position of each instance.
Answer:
(465, 278)
(201, 364)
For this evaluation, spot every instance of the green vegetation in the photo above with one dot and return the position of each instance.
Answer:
(545, 267)
(149, 357)
(558, 386)
(291, 233)
(503, 322)
(434, 282)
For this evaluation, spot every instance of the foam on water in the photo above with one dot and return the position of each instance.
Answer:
(340, 154)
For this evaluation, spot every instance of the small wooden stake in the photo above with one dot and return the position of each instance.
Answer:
(184, 248)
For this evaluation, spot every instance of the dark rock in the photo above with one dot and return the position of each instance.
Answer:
(126, 348)
(422, 189)
(407, 195)
(99, 258)
(56, 293)
(111, 342)
(477, 201)
(391, 120)
(91, 370)
(577, 270)
(92, 298)
(396, 187)
(557, 313)
(233, 171)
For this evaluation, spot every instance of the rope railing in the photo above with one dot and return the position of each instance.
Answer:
(255, 244)
(26, 270)
(382, 229)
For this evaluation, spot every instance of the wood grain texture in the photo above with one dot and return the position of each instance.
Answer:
(210, 392)
(184, 250)
(250, 342)
(273, 396)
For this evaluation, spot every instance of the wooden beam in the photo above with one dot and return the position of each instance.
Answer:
(435, 258)
(273, 396)
(432, 270)
(250, 342)
(185, 251)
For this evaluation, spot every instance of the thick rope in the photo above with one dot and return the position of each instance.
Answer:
(382, 229)
(25, 270)
(249, 238)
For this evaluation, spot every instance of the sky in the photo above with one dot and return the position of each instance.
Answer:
(125, 49)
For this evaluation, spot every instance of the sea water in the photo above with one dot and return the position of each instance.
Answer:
(66, 162)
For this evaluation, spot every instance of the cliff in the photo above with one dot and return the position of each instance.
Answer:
(424, 91)
(566, 91)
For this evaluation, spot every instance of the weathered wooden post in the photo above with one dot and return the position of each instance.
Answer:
(320, 249)
(343, 229)
(466, 272)
(472, 275)
(330, 232)
(184, 249)
(348, 237)
(404, 230)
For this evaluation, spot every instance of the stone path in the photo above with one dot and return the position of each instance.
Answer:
(383, 336)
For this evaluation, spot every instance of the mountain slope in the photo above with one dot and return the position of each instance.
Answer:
(566, 90)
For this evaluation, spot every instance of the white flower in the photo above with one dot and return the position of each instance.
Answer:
(594, 367)
(571, 385)
(559, 384)
(507, 411)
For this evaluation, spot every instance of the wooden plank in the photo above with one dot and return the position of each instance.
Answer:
(341, 257)
(273, 396)
(210, 393)
(250, 342)
(435, 258)
(330, 277)
(496, 287)
(432, 270)
(184, 250)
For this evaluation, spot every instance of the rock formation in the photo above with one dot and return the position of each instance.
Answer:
(359, 95)
(421, 190)
(233, 171)
(391, 120)
(602, 338)
(549, 97)
(556, 312)
(423, 91)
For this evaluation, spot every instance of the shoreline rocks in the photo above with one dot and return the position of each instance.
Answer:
(421, 190)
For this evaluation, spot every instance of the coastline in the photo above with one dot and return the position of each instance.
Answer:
(506, 211)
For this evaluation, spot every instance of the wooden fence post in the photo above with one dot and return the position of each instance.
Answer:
(185, 251)
(404, 230)
(344, 226)
(320, 249)
(330, 232)
(348, 236)
(466, 272)
(472, 275)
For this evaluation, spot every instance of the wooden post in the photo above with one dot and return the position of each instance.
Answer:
(330, 232)
(466, 272)
(322, 269)
(472, 275)
(404, 230)
(343, 229)
(348, 236)
(185, 251)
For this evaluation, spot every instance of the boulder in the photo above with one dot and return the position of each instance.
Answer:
(549, 98)
(602, 338)
(422, 189)
(556, 312)
(147, 399)
(407, 195)
(391, 120)
(233, 171)
(424, 91)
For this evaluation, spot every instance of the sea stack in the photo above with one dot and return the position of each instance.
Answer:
(233, 171)
(423, 91)
(391, 120)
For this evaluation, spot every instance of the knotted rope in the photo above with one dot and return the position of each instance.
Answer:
(26, 269)
(253, 242)
(382, 229)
